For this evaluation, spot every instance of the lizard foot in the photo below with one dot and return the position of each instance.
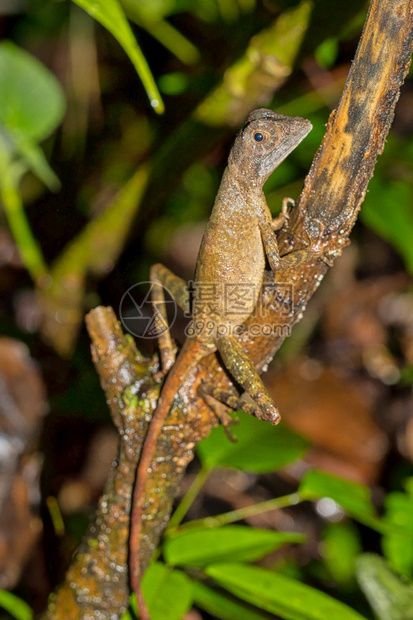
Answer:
(278, 222)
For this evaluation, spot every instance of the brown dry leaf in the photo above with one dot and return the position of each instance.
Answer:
(356, 330)
(335, 414)
(22, 407)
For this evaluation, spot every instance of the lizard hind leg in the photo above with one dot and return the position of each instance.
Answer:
(220, 400)
(162, 278)
(220, 410)
(240, 366)
(227, 398)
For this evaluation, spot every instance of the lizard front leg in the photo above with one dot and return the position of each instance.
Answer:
(239, 364)
(278, 222)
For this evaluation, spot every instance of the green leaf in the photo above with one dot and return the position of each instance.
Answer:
(260, 447)
(341, 545)
(37, 162)
(32, 103)
(279, 594)
(326, 53)
(388, 212)
(15, 606)
(232, 542)
(389, 597)
(353, 497)
(173, 83)
(167, 592)
(223, 605)
(397, 541)
(111, 15)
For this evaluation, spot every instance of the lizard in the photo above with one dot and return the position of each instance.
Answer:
(238, 240)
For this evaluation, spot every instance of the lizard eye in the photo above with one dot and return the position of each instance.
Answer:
(258, 137)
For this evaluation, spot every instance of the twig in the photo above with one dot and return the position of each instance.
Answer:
(96, 584)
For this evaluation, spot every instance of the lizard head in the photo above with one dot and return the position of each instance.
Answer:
(264, 142)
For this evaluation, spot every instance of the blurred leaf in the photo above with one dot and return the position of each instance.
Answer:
(326, 53)
(341, 545)
(232, 542)
(397, 541)
(389, 597)
(222, 605)
(388, 212)
(110, 14)
(248, 80)
(333, 19)
(167, 592)
(13, 207)
(94, 250)
(352, 496)
(259, 448)
(173, 83)
(31, 106)
(37, 162)
(32, 102)
(15, 606)
(279, 594)
(150, 16)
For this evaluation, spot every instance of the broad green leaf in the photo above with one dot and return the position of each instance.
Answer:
(352, 496)
(15, 606)
(260, 447)
(279, 594)
(231, 542)
(32, 103)
(111, 15)
(397, 541)
(389, 597)
(167, 592)
(222, 605)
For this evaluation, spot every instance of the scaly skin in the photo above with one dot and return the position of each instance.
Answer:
(238, 239)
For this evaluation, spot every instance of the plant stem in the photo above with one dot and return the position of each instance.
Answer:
(188, 498)
(29, 249)
(244, 513)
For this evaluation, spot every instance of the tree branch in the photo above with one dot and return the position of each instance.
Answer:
(332, 195)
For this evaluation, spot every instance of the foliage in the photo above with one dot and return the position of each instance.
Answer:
(25, 121)
(131, 181)
(15, 606)
(212, 549)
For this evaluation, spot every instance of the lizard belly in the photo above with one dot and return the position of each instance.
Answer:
(232, 260)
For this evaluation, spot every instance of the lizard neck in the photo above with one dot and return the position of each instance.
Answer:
(243, 182)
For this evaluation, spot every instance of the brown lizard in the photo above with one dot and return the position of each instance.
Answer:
(237, 241)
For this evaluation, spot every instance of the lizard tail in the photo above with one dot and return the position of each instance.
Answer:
(188, 357)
